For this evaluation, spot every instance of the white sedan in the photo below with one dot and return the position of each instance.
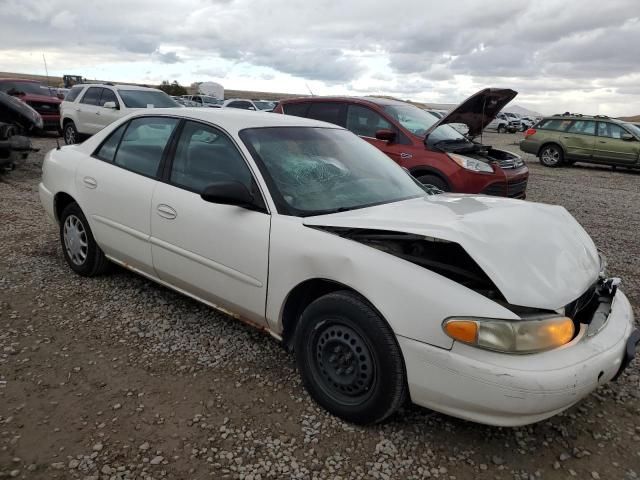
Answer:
(489, 309)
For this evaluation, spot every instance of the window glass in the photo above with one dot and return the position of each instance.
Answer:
(312, 171)
(108, 96)
(297, 109)
(555, 124)
(327, 112)
(204, 156)
(610, 130)
(146, 99)
(92, 96)
(73, 93)
(143, 144)
(107, 150)
(365, 122)
(585, 127)
(242, 105)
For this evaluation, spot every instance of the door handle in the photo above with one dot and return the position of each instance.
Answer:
(90, 182)
(97, 113)
(602, 141)
(165, 211)
(566, 136)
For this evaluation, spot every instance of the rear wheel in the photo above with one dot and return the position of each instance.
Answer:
(70, 133)
(502, 129)
(80, 249)
(349, 359)
(434, 181)
(551, 155)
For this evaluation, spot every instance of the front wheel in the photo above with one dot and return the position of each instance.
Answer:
(433, 180)
(349, 359)
(502, 129)
(70, 133)
(80, 249)
(551, 156)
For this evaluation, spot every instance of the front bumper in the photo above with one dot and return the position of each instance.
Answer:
(515, 185)
(47, 200)
(511, 390)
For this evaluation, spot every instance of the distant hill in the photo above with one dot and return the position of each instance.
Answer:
(634, 118)
(522, 111)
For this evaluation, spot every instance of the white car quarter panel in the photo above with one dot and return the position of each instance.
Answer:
(511, 390)
(217, 252)
(412, 299)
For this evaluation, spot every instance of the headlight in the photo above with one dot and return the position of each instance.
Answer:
(471, 163)
(511, 336)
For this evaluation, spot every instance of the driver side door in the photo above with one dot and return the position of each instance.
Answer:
(218, 253)
(365, 122)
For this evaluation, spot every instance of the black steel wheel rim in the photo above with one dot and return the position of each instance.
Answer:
(342, 363)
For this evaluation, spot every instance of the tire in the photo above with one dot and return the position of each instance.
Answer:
(70, 133)
(79, 248)
(349, 359)
(551, 155)
(502, 129)
(435, 181)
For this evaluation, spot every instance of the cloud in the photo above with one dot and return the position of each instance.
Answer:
(550, 51)
(166, 57)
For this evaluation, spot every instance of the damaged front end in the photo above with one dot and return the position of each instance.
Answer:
(443, 257)
(16, 119)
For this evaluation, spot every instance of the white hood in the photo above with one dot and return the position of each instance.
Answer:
(537, 255)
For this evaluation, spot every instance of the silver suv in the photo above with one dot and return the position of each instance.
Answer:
(88, 108)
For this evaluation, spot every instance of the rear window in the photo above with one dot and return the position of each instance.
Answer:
(73, 93)
(146, 99)
(556, 124)
(92, 96)
(297, 109)
(331, 112)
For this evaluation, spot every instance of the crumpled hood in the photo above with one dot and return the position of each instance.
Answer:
(537, 255)
(479, 110)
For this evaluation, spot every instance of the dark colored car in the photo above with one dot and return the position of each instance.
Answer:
(433, 151)
(16, 118)
(39, 97)
(566, 139)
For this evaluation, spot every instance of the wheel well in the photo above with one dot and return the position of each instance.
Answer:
(299, 298)
(547, 144)
(425, 171)
(66, 120)
(60, 202)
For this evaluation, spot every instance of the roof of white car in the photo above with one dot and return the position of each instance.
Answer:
(234, 120)
(118, 86)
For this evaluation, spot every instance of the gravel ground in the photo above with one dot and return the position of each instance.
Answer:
(116, 377)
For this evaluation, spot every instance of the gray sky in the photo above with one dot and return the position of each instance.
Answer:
(582, 56)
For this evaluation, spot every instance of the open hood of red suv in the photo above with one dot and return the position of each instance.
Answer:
(479, 110)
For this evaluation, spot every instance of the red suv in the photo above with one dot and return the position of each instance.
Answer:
(433, 151)
(39, 97)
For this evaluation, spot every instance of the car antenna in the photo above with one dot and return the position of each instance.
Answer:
(47, 72)
(484, 103)
(309, 88)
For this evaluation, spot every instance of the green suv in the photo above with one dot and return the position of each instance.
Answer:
(566, 139)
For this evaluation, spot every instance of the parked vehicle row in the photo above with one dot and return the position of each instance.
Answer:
(567, 139)
(38, 96)
(490, 309)
(429, 148)
(88, 108)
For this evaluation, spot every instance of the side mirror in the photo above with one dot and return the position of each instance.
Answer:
(111, 105)
(228, 193)
(386, 135)
(627, 137)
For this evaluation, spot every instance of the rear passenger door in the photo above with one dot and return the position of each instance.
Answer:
(106, 116)
(87, 111)
(216, 252)
(611, 148)
(579, 140)
(115, 186)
